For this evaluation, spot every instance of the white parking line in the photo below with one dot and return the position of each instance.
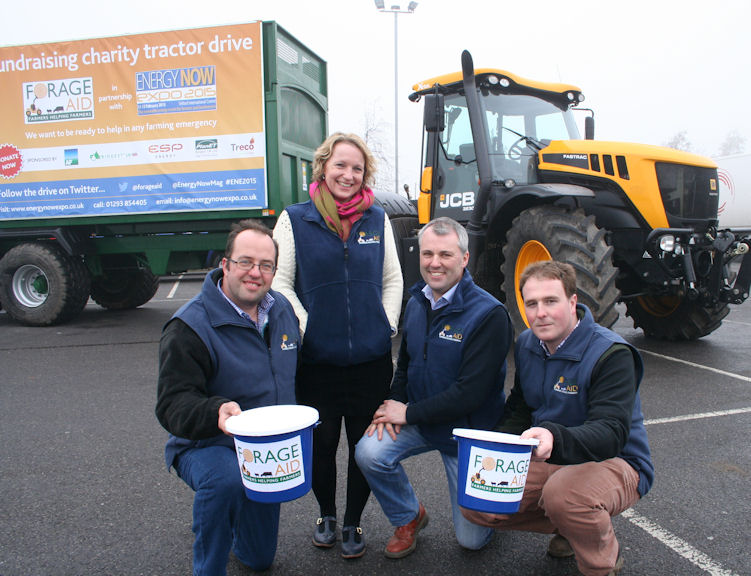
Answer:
(174, 287)
(694, 365)
(697, 416)
(677, 545)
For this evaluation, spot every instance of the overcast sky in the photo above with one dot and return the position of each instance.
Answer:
(649, 68)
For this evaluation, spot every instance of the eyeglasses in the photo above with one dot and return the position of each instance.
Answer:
(245, 264)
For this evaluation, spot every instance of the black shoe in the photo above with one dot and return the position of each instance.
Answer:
(325, 534)
(353, 542)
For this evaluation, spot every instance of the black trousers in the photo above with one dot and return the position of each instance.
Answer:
(352, 394)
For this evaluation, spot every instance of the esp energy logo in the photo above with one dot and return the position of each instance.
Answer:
(58, 100)
(176, 90)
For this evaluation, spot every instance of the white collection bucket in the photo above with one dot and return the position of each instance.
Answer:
(274, 445)
(492, 470)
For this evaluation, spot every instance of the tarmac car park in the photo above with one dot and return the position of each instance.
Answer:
(84, 489)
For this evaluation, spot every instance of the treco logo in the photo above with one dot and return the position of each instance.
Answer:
(246, 147)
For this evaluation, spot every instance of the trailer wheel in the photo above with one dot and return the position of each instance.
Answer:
(674, 318)
(554, 233)
(124, 289)
(41, 285)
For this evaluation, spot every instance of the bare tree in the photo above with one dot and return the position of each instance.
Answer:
(734, 143)
(375, 134)
(680, 141)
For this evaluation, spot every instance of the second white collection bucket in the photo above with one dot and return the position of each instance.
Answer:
(492, 470)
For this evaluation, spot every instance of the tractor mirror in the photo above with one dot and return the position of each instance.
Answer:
(589, 128)
(433, 113)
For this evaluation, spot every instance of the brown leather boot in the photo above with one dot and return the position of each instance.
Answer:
(558, 547)
(404, 540)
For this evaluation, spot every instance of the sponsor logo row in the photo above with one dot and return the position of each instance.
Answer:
(131, 153)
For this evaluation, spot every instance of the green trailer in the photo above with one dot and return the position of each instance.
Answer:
(128, 158)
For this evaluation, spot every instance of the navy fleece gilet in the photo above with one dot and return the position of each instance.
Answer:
(340, 285)
(245, 369)
(435, 356)
(555, 388)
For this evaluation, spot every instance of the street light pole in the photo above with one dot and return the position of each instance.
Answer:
(396, 9)
(396, 104)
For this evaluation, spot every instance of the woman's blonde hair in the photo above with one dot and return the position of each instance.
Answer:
(324, 151)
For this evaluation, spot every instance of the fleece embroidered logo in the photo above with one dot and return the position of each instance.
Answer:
(286, 344)
(564, 386)
(449, 333)
(368, 237)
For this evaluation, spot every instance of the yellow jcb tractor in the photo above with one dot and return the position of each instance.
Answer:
(503, 155)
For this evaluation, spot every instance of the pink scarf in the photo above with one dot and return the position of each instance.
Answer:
(340, 216)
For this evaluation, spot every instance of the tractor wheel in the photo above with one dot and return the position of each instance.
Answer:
(554, 233)
(403, 227)
(124, 288)
(41, 285)
(674, 318)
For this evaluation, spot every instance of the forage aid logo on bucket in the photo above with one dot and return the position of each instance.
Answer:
(497, 472)
(273, 463)
(274, 446)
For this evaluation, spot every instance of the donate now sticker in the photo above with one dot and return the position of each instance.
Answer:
(10, 161)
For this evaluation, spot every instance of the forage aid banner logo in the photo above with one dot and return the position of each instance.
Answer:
(58, 100)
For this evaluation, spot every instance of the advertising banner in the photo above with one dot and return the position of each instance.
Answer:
(161, 122)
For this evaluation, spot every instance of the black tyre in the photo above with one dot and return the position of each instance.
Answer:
(404, 227)
(554, 233)
(674, 318)
(402, 215)
(125, 288)
(41, 285)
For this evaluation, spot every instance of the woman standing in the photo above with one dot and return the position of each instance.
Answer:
(339, 268)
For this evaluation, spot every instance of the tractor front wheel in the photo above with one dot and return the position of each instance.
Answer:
(674, 317)
(555, 233)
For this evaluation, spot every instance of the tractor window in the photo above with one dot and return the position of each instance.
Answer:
(456, 163)
(458, 130)
(552, 126)
(513, 125)
(517, 127)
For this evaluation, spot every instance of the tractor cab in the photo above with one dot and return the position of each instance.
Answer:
(520, 117)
